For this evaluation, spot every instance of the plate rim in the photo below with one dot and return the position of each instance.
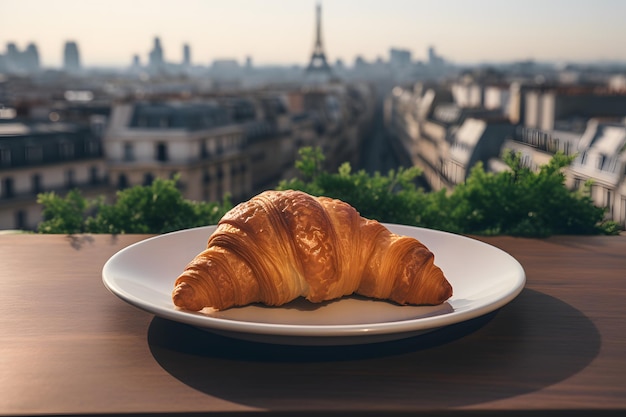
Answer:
(316, 330)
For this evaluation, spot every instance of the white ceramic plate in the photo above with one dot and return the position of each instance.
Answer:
(484, 278)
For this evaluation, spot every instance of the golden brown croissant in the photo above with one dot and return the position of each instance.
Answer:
(281, 245)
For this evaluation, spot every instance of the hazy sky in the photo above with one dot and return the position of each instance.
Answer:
(282, 32)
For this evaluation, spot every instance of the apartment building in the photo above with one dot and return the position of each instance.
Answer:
(418, 119)
(45, 156)
(195, 140)
(444, 138)
(237, 143)
(582, 121)
(602, 160)
(476, 140)
(480, 122)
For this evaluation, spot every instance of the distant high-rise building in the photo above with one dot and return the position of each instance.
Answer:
(71, 57)
(12, 57)
(12, 52)
(27, 61)
(399, 57)
(186, 55)
(156, 55)
(31, 57)
(359, 62)
(433, 58)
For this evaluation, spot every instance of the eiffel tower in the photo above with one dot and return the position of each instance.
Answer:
(318, 62)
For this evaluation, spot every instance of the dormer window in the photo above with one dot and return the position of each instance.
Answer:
(92, 147)
(5, 156)
(66, 149)
(33, 153)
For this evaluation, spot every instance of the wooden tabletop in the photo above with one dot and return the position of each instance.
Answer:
(68, 346)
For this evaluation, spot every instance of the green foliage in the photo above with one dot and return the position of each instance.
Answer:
(64, 215)
(157, 208)
(518, 202)
(311, 162)
(391, 198)
(521, 202)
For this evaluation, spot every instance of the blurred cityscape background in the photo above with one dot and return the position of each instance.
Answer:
(102, 96)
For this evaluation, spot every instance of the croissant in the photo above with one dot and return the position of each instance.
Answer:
(281, 245)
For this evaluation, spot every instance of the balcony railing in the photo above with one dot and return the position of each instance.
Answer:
(542, 140)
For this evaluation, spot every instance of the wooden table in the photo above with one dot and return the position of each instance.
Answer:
(68, 346)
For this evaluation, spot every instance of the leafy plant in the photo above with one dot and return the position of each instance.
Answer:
(157, 208)
(65, 214)
(391, 198)
(521, 202)
(517, 202)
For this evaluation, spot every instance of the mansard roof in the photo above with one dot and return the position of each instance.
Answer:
(178, 115)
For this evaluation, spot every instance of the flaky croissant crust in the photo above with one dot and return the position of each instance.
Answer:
(281, 245)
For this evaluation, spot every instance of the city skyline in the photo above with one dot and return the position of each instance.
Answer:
(282, 32)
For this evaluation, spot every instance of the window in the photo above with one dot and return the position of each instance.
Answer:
(7, 188)
(34, 153)
(122, 182)
(129, 152)
(93, 175)
(21, 220)
(5, 156)
(161, 152)
(36, 183)
(608, 203)
(583, 158)
(69, 178)
(66, 149)
(92, 147)
(148, 178)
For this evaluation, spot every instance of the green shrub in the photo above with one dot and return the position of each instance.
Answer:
(64, 215)
(517, 202)
(391, 198)
(157, 208)
(521, 202)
